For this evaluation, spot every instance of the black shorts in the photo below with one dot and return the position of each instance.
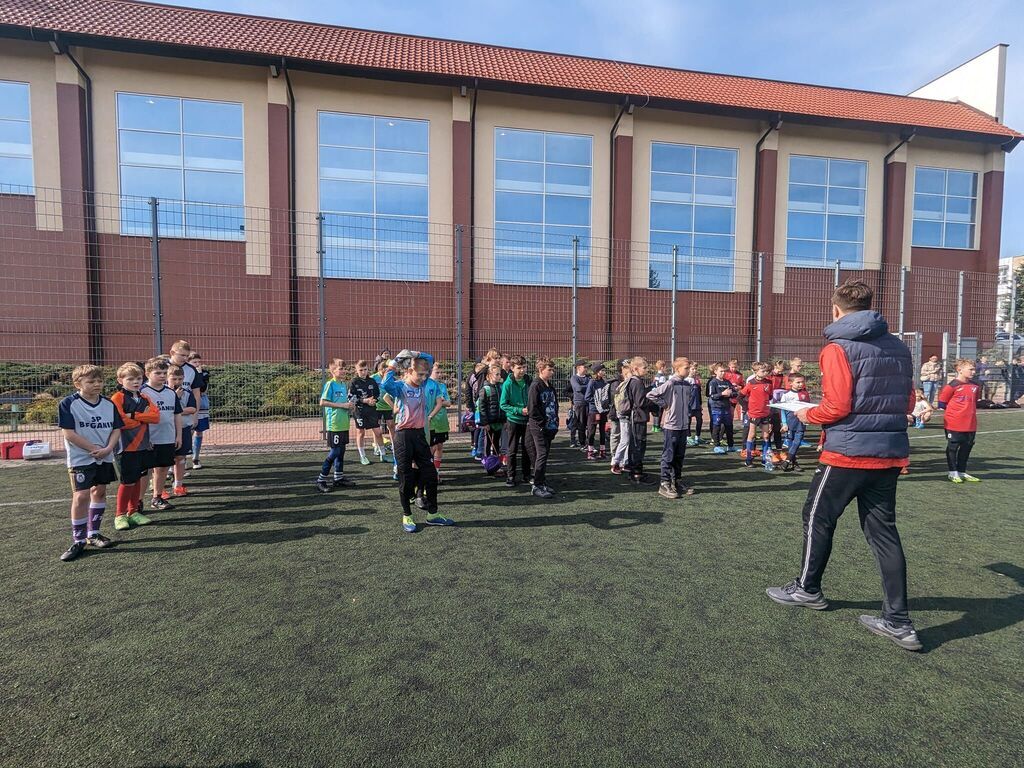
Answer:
(367, 418)
(133, 466)
(186, 442)
(761, 421)
(383, 416)
(91, 475)
(334, 439)
(162, 455)
(438, 438)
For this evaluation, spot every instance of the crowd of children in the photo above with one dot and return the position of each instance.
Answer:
(159, 413)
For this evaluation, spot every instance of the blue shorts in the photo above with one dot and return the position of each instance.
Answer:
(202, 424)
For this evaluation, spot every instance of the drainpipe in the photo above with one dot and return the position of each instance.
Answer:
(773, 125)
(627, 106)
(905, 138)
(92, 249)
(293, 245)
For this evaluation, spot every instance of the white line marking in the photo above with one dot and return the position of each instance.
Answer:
(991, 432)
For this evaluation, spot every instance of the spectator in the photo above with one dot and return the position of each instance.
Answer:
(931, 378)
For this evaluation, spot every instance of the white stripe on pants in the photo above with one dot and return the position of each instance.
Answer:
(810, 523)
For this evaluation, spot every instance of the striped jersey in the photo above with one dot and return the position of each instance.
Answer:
(163, 432)
(93, 421)
(137, 412)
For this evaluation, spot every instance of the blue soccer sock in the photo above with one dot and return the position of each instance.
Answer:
(750, 450)
(766, 451)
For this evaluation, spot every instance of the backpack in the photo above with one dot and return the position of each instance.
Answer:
(619, 399)
(603, 398)
(468, 422)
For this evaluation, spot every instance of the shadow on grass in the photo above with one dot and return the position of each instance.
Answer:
(272, 514)
(981, 615)
(601, 520)
(276, 536)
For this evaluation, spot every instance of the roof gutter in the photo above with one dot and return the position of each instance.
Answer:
(905, 139)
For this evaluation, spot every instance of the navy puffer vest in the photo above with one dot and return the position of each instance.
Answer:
(883, 378)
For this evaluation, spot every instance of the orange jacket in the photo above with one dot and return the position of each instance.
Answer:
(134, 434)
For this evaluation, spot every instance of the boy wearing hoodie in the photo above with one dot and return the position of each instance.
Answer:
(513, 404)
(542, 415)
(599, 402)
(674, 397)
(577, 389)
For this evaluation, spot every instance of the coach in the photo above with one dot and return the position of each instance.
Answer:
(867, 391)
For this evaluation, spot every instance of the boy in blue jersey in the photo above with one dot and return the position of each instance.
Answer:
(337, 410)
(165, 434)
(203, 414)
(92, 428)
(415, 397)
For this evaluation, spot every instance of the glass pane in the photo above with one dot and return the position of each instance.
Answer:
(345, 230)
(15, 174)
(678, 218)
(402, 199)
(522, 177)
(214, 154)
(842, 200)
(401, 264)
(215, 222)
(805, 252)
(930, 180)
(560, 239)
(807, 226)
(557, 271)
(671, 188)
(215, 118)
(959, 236)
(136, 217)
(716, 162)
(513, 206)
(560, 209)
(849, 254)
(961, 183)
(212, 187)
(659, 274)
(806, 198)
(928, 207)
(712, 278)
(713, 219)
(517, 268)
(927, 233)
(402, 166)
(959, 209)
(164, 183)
(346, 130)
(568, 179)
(808, 170)
(847, 173)
(849, 228)
(139, 148)
(712, 248)
(676, 158)
(518, 145)
(346, 196)
(346, 163)
(15, 138)
(563, 148)
(14, 101)
(349, 262)
(393, 133)
(662, 242)
(520, 239)
(715, 190)
(148, 113)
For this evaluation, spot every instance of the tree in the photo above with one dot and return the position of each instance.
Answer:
(653, 279)
(1018, 300)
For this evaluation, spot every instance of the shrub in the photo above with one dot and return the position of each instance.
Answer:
(42, 410)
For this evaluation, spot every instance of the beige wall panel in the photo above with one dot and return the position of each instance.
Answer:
(651, 126)
(956, 155)
(494, 110)
(33, 63)
(315, 93)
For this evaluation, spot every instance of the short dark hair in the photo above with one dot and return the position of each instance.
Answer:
(794, 376)
(853, 296)
(518, 360)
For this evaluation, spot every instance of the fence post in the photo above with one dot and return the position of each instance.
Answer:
(154, 251)
(321, 303)
(575, 286)
(458, 323)
(959, 313)
(903, 298)
(835, 279)
(760, 305)
(675, 283)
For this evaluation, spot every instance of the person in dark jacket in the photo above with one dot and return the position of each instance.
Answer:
(674, 397)
(488, 407)
(720, 406)
(638, 415)
(542, 424)
(599, 402)
(577, 390)
(867, 392)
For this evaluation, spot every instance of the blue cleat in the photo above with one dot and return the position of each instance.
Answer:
(438, 519)
(719, 449)
(408, 524)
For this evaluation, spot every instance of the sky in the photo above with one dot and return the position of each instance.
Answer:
(878, 46)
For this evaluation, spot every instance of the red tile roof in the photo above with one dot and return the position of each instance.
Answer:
(383, 51)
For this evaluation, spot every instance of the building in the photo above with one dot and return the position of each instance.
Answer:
(233, 120)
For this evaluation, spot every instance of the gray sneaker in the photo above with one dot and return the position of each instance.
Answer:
(668, 491)
(904, 635)
(794, 594)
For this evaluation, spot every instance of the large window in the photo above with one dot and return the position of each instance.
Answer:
(826, 212)
(542, 191)
(15, 139)
(945, 208)
(188, 154)
(693, 208)
(374, 194)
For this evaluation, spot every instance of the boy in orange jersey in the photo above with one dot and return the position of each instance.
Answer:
(137, 412)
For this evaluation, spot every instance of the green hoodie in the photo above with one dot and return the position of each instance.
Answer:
(513, 399)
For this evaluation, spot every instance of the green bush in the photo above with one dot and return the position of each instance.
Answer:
(42, 410)
(295, 395)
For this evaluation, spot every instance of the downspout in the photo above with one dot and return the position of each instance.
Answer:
(92, 248)
(756, 263)
(293, 244)
(468, 323)
(610, 304)
(773, 125)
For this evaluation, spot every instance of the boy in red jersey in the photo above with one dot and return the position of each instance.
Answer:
(735, 379)
(779, 383)
(959, 399)
(758, 392)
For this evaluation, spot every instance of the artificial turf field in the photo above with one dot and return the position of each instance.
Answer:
(260, 623)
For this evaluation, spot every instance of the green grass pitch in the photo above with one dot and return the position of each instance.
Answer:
(260, 623)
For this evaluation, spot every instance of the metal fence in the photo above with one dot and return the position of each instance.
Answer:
(269, 296)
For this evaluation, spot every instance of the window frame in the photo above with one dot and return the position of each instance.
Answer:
(585, 251)
(827, 186)
(973, 224)
(687, 258)
(20, 189)
(224, 235)
(373, 181)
